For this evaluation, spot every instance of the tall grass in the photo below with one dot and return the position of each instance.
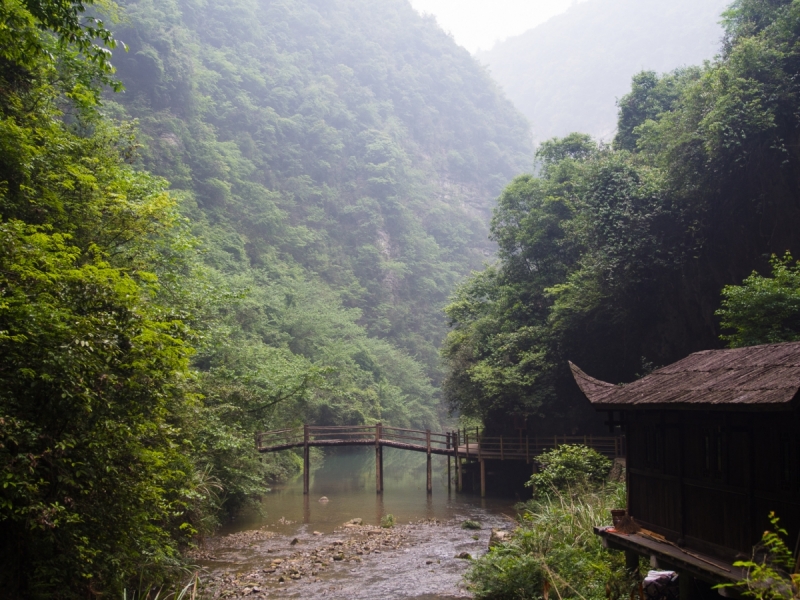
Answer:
(189, 591)
(555, 552)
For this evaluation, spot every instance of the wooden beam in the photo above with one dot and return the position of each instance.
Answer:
(378, 459)
(459, 474)
(448, 463)
(306, 459)
(428, 442)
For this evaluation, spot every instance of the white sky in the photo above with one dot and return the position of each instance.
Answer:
(478, 24)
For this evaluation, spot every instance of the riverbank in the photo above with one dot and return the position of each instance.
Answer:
(334, 558)
(425, 559)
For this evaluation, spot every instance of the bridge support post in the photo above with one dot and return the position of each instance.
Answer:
(428, 442)
(448, 463)
(306, 468)
(459, 474)
(483, 478)
(378, 459)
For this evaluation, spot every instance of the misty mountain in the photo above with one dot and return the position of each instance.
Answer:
(566, 74)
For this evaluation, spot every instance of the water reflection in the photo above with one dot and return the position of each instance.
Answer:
(347, 478)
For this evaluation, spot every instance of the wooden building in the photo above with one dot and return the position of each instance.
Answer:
(713, 446)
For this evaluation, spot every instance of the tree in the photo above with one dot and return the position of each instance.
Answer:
(763, 310)
(613, 257)
(99, 482)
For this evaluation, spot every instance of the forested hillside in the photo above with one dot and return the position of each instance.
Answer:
(616, 257)
(566, 74)
(261, 229)
(340, 161)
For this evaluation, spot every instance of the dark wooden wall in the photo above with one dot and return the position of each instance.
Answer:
(709, 479)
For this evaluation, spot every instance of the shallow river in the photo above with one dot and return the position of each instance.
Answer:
(297, 546)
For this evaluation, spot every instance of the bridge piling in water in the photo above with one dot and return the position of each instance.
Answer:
(428, 443)
(459, 475)
(378, 459)
(306, 460)
(448, 462)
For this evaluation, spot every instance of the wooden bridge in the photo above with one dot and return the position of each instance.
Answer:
(461, 445)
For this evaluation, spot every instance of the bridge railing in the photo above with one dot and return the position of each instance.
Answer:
(480, 446)
(353, 434)
(470, 444)
(330, 433)
(416, 437)
(279, 437)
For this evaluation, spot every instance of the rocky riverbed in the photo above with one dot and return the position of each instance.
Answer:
(425, 559)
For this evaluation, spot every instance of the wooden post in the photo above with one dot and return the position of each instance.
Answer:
(501, 448)
(466, 439)
(480, 443)
(632, 562)
(460, 486)
(378, 459)
(483, 478)
(428, 441)
(305, 459)
(447, 439)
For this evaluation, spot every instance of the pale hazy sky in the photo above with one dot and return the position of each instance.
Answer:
(478, 24)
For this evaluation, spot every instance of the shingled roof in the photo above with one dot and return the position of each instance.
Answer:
(765, 376)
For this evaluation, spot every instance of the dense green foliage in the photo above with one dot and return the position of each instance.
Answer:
(97, 474)
(569, 467)
(764, 310)
(773, 573)
(554, 548)
(615, 257)
(328, 165)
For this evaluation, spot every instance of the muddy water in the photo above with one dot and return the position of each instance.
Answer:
(415, 559)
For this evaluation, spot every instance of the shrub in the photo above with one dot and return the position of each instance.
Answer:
(772, 572)
(387, 521)
(555, 546)
(570, 466)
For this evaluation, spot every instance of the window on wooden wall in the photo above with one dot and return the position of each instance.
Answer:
(654, 456)
(672, 450)
(739, 456)
(788, 461)
(714, 452)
